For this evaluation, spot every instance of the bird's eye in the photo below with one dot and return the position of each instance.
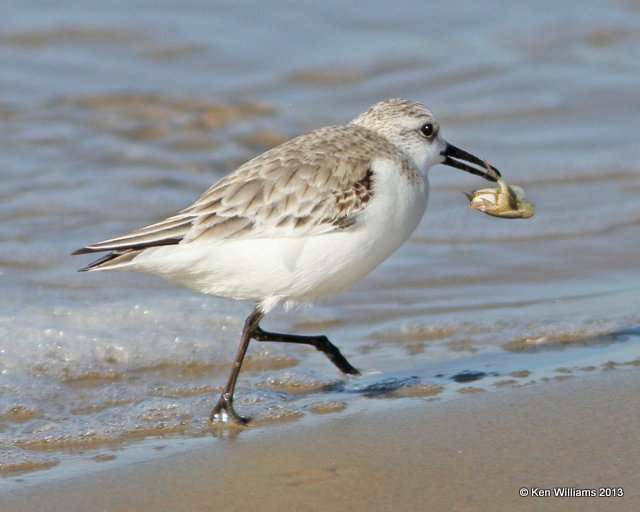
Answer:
(427, 130)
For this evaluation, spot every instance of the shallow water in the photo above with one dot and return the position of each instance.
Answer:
(115, 115)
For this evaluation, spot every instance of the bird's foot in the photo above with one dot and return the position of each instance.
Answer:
(335, 356)
(224, 413)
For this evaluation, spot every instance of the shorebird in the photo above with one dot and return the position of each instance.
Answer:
(299, 222)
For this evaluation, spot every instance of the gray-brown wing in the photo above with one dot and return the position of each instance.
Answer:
(312, 184)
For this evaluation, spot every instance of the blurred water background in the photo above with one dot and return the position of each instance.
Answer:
(117, 114)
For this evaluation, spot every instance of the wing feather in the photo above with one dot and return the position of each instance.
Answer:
(313, 184)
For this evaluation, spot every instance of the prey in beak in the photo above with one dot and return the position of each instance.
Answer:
(460, 159)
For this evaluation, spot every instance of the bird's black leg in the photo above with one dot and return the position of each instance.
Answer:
(253, 330)
(321, 343)
(225, 402)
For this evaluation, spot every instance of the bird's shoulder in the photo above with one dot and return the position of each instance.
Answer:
(313, 183)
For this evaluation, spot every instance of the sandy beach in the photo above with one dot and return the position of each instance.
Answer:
(471, 453)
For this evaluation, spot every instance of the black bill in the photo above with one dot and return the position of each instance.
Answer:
(456, 157)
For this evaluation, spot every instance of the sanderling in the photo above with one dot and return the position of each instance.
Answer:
(299, 222)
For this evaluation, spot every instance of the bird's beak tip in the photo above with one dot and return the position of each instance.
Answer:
(460, 159)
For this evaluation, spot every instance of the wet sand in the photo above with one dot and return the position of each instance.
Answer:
(471, 453)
